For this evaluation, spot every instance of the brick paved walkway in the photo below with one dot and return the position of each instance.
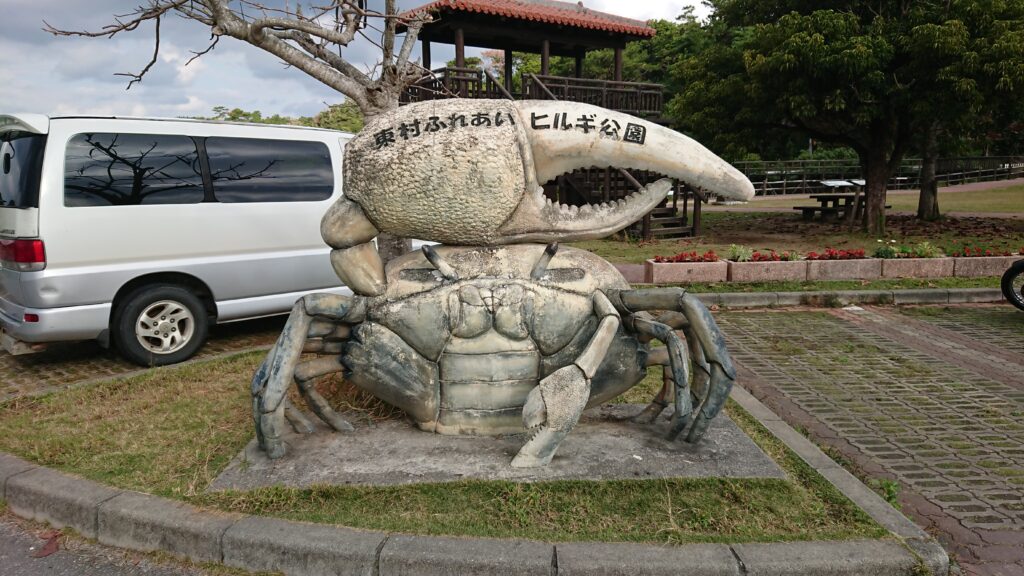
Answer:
(66, 364)
(930, 397)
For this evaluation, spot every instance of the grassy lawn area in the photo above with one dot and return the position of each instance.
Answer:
(787, 232)
(171, 430)
(1003, 200)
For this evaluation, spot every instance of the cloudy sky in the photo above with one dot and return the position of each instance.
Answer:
(51, 75)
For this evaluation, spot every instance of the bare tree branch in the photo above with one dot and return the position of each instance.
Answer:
(213, 44)
(301, 41)
(136, 78)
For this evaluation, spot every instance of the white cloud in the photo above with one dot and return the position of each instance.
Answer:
(47, 74)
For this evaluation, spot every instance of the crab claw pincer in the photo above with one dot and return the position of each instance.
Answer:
(471, 172)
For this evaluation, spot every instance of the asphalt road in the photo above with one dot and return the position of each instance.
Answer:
(18, 541)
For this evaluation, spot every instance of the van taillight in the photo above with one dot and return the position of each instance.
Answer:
(23, 255)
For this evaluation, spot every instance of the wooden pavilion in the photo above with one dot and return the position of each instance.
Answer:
(554, 28)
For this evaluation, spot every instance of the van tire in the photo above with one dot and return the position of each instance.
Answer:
(163, 309)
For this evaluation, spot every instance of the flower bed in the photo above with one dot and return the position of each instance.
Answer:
(686, 267)
(833, 264)
(769, 266)
(977, 261)
(922, 260)
(833, 254)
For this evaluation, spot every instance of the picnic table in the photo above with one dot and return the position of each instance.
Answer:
(835, 205)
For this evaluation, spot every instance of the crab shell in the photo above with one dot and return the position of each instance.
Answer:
(461, 356)
(470, 172)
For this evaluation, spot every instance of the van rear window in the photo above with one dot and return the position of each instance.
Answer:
(131, 169)
(257, 170)
(21, 155)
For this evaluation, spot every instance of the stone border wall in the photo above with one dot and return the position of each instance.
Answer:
(811, 270)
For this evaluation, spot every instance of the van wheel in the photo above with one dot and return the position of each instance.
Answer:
(160, 325)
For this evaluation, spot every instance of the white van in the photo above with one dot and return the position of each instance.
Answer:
(142, 232)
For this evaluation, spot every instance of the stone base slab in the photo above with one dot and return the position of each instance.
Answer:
(604, 446)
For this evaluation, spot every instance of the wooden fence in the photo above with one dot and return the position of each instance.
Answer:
(634, 98)
(805, 176)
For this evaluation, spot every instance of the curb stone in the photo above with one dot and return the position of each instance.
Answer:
(604, 559)
(975, 295)
(437, 556)
(269, 544)
(874, 557)
(848, 297)
(11, 466)
(143, 522)
(46, 495)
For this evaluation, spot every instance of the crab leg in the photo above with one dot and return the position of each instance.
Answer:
(306, 375)
(716, 375)
(297, 419)
(679, 370)
(658, 357)
(554, 407)
(274, 376)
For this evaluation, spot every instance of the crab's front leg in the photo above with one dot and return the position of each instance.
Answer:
(554, 407)
(355, 259)
(281, 367)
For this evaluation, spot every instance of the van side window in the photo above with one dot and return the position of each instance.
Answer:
(130, 169)
(258, 170)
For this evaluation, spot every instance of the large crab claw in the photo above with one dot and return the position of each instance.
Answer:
(470, 172)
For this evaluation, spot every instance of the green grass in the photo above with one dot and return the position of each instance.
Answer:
(1008, 200)
(782, 232)
(170, 431)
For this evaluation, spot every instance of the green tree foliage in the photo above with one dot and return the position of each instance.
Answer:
(471, 62)
(255, 116)
(872, 76)
(346, 117)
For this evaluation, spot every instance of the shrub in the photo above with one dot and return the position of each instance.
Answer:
(925, 250)
(890, 250)
(739, 253)
(773, 256)
(887, 250)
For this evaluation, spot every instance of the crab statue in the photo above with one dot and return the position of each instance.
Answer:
(498, 331)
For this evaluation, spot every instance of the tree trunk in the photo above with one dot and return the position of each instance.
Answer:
(876, 172)
(390, 247)
(928, 201)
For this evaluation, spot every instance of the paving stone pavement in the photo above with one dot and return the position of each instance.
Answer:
(73, 363)
(932, 398)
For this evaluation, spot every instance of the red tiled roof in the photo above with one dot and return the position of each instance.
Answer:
(547, 11)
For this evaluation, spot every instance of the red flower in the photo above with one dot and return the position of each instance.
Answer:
(833, 254)
(708, 256)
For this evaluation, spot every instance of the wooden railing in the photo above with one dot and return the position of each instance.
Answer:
(453, 83)
(638, 99)
(805, 176)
